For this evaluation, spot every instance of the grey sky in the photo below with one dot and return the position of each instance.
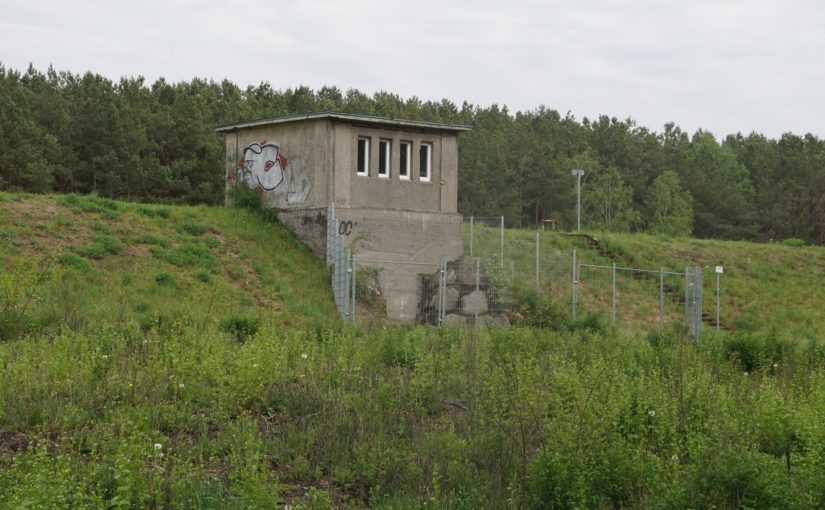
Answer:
(724, 66)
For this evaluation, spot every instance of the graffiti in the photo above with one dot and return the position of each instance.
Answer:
(319, 221)
(345, 228)
(263, 167)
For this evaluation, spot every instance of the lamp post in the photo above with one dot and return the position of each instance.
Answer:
(577, 173)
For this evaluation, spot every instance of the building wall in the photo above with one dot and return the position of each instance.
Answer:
(392, 192)
(298, 157)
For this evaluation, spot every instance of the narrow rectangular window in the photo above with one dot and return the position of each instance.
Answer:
(384, 158)
(405, 152)
(426, 156)
(363, 156)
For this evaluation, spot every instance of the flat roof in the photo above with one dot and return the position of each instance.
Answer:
(348, 117)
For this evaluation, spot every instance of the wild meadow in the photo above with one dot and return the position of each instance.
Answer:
(122, 388)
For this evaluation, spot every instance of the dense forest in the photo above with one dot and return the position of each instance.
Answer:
(66, 132)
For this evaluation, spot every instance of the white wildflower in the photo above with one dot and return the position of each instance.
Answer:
(255, 365)
(105, 356)
(651, 413)
(745, 374)
(181, 385)
(775, 366)
(304, 355)
(674, 458)
(158, 446)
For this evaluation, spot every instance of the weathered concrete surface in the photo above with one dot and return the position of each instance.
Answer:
(321, 157)
(309, 226)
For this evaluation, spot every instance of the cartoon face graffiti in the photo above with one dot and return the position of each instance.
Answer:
(262, 166)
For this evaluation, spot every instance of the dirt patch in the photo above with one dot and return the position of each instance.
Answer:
(239, 271)
(14, 444)
(42, 233)
(137, 250)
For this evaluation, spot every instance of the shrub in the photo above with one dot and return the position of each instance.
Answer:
(793, 241)
(101, 245)
(754, 351)
(193, 228)
(202, 275)
(242, 327)
(188, 255)
(165, 279)
(72, 261)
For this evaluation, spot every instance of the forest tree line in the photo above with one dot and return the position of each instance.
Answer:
(65, 132)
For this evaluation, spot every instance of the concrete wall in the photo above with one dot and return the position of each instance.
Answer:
(353, 190)
(391, 240)
(299, 152)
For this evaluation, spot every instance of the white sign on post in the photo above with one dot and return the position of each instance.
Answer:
(720, 269)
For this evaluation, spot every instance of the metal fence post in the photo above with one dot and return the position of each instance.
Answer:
(347, 259)
(613, 301)
(575, 286)
(501, 250)
(697, 299)
(442, 287)
(352, 317)
(478, 273)
(537, 261)
(717, 300)
(472, 234)
(661, 297)
(688, 322)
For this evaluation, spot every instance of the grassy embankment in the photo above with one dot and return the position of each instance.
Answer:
(766, 289)
(82, 262)
(118, 409)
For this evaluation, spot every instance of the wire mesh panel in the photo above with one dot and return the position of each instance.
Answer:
(396, 291)
(478, 291)
(484, 236)
(637, 299)
(338, 258)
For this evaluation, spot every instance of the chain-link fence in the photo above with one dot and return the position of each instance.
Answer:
(480, 289)
(483, 235)
(639, 298)
(339, 260)
(569, 272)
(465, 291)
(468, 290)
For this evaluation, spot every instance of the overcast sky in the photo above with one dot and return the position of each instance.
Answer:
(724, 66)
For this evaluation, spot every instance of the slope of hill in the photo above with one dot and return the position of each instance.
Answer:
(176, 357)
(80, 261)
(773, 289)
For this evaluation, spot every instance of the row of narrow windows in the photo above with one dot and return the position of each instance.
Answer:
(405, 152)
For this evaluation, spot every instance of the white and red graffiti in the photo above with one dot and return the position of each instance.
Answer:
(264, 168)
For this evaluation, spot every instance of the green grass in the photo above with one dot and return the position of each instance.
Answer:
(771, 288)
(253, 415)
(147, 262)
(202, 367)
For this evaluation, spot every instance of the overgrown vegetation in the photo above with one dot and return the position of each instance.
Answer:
(407, 417)
(130, 381)
(128, 139)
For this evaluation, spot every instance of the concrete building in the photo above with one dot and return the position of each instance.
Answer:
(394, 184)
